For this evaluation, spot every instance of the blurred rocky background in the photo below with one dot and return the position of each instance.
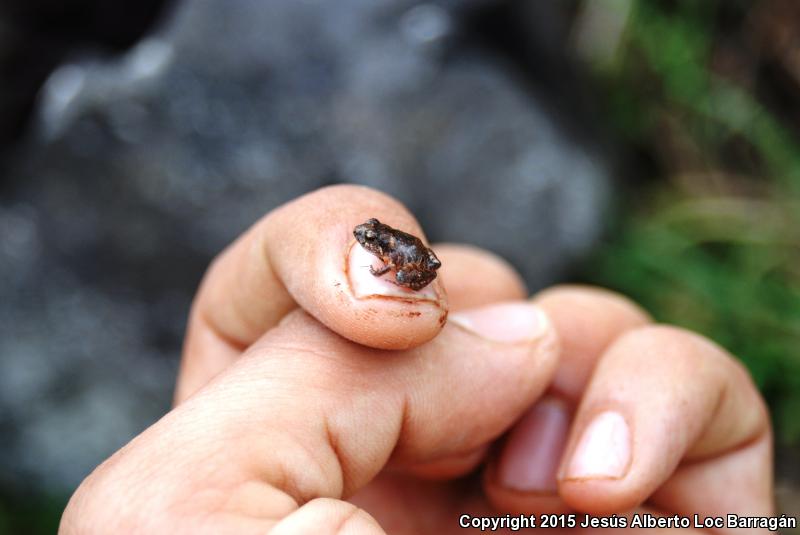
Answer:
(646, 146)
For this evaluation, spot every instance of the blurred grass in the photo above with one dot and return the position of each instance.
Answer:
(713, 245)
(30, 514)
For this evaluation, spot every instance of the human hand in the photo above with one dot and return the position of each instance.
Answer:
(304, 405)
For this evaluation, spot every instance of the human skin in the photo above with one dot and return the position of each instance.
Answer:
(306, 404)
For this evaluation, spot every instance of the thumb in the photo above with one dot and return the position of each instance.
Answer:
(307, 414)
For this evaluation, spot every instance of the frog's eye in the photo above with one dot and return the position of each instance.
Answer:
(372, 221)
(433, 262)
(370, 235)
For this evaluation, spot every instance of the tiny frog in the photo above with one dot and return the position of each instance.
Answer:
(415, 265)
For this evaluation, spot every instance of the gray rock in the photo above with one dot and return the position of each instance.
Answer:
(141, 168)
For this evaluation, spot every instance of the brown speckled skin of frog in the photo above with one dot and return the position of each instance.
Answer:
(414, 264)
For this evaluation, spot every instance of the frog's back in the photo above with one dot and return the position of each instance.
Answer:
(408, 249)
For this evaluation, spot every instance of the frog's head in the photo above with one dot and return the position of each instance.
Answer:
(368, 235)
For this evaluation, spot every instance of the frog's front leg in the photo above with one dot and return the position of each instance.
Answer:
(378, 272)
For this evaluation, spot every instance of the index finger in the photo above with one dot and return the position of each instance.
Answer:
(304, 254)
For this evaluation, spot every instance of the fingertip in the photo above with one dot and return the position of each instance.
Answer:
(659, 397)
(452, 466)
(588, 320)
(512, 322)
(624, 309)
(598, 497)
(532, 452)
(328, 516)
(595, 474)
(521, 479)
(379, 313)
(328, 272)
(475, 276)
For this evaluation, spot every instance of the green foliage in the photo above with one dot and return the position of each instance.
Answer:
(31, 514)
(723, 256)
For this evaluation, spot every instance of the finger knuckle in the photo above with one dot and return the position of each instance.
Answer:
(677, 345)
(596, 298)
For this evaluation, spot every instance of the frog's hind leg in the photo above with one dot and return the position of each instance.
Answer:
(382, 271)
(413, 280)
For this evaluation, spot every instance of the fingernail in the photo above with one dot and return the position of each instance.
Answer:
(604, 449)
(365, 284)
(533, 449)
(507, 322)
